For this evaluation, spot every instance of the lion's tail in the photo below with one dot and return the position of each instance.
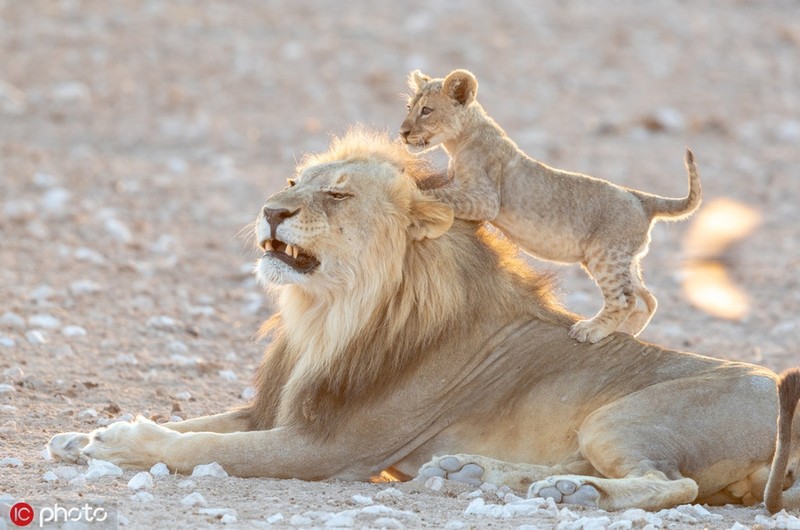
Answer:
(669, 208)
(788, 396)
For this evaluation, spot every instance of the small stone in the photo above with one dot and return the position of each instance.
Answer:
(159, 470)
(183, 396)
(201, 310)
(87, 413)
(83, 287)
(10, 462)
(50, 477)
(186, 484)
(248, 393)
(35, 337)
(101, 468)
(7, 342)
(141, 480)
(362, 500)
(177, 349)
(8, 427)
(54, 201)
(73, 331)
(44, 321)
(42, 293)
(66, 472)
(14, 373)
(117, 229)
(389, 493)
(227, 519)
(12, 320)
(142, 496)
(163, 323)
(388, 522)
(89, 255)
(340, 521)
(299, 520)
(44, 180)
(275, 518)
(78, 482)
(6, 388)
(455, 524)
(228, 375)
(209, 470)
(7, 409)
(193, 499)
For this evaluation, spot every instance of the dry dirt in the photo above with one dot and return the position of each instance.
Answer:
(137, 138)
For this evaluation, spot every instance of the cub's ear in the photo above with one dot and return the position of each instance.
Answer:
(417, 80)
(461, 86)
(429, 218)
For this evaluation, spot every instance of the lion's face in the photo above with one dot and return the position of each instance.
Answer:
(435, 110)
(338, 219)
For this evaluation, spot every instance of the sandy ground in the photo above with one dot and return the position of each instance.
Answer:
(137, 138)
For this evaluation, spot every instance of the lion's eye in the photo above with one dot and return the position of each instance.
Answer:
(425, 111)
(291, 182)
(338, 196)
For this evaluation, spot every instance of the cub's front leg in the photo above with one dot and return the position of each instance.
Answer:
(472, 195)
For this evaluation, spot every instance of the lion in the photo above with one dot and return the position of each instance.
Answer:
(552, 214)
(410, 343)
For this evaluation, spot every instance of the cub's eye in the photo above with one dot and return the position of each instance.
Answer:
(338, 195)
(291, 182)
(425, 111)
(408, 106)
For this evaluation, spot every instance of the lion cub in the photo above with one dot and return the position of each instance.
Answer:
(552, 214)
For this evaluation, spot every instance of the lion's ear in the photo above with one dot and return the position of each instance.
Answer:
(417, 80)
(461, 86)
(429, 219)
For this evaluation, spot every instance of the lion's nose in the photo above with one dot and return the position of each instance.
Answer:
(276, 216)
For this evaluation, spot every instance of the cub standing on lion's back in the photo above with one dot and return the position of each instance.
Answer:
(552, 214)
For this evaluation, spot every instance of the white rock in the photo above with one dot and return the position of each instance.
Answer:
(117, 229)
(739, 526)
(50, 477)
(44, 321)
(7, 409)
(389, 493)
(19, 210)
(201, 310)
(14, 373)
(387, 522)
(163, 323)
(621, 525)
(89, 255)
(479, 507)
(299, 520)
(186, 484)
(275, 518)
(142, 496)
(362, 499)
(248, 393)
(42, 293)
(209, 470)
(78, 482)
(35, 337)
(228, 375)
(54, 201)
(12, 320)
(10, 462)
(586, 523)
(8, 427)
(183, 396)
(87, 413)
(101, 468)
(66, 472)
(193, 499)
(5, 388)
(177, 348)
(159, 470)
(141, 480)
(45, 454)
(340, 521)
(44, 180)
(455, 524)
(7, 342)
(73, 331)
(227, 519)
(84, 287)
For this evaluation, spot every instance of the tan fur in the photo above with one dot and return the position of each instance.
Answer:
(411, 340)
(552, 214)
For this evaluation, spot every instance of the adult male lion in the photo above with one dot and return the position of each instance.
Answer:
(400, 337)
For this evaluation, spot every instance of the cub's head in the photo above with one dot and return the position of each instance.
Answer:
(436, 108)
(345, 221)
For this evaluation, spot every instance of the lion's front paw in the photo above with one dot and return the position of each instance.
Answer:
(565, 489)
(589, 331)
(68, 447)
(135, 444)
(460, 468)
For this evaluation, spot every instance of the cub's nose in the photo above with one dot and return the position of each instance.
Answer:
(405, 130)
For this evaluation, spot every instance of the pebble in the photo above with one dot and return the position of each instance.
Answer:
(54, 201)
(10, 462)
(73, 331)
(35, 337)
(389, 493)
(6, 388)
(14, 373)
(7, 409)
(117, 229)
(8, 427)
(275, 518)
(248, 393)
(159, 470)
(101, 468)
(201, 310)
(84, 287)
(183, 396)
(42, 293)
(44, 180)
(209, 470)
(340, 521)
(12, 320)
(455, 524)
(299, 520)
(7, 342)
(141, 480)
(66, 472)
(186, 484)
(362, 499)
(177, 349)
(49, 477)
(87, 413)
(78, 482)
(142, 496)
(228, 375)
(193, 499)
(163, 323)
(44, 321)
(89, 255)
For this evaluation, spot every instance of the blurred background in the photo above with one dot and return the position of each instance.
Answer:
(138, 138)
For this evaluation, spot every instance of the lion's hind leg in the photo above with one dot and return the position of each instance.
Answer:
(652, 491)
(475, 470)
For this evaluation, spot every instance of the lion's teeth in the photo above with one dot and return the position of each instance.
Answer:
(295, 252)
(288, 250)
(267, 246)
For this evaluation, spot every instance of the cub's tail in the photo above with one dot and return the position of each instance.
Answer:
(668, 208)
(788, 396)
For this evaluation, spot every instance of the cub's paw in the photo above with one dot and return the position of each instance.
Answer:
(460, 468)
(565, 489)
(68, 446)
(589, 331)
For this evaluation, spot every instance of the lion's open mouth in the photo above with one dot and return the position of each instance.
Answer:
(292, 255)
